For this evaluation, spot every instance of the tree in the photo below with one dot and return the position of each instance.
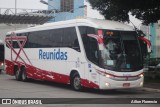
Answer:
(146, 10)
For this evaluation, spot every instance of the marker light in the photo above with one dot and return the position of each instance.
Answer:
(108, 76)
(109, 33)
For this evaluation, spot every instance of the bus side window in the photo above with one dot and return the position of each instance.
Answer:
(15, 44)
(1, 52)
(90, 44)
(94, 50)
(70, 39)
(91, 48)
(56, 37)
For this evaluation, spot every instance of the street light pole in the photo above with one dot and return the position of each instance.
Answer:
(15, 7)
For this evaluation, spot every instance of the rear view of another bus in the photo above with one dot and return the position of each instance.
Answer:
(1, 56)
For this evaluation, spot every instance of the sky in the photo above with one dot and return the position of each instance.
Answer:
(35, 4)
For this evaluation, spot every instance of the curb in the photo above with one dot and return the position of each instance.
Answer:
(150, 89)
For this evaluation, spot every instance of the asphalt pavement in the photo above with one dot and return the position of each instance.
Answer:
(152, 85)
(10, 88)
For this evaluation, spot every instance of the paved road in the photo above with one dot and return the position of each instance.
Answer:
(10, 88)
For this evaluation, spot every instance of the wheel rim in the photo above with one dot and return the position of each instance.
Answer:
(76, 82)
(17, 74)
(23, 76)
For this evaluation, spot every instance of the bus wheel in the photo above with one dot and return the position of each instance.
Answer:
(24, 76)
(18, 75)
(76, 82)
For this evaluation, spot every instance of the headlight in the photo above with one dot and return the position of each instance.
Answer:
(2, 64)
(108, 76)
(141, 75)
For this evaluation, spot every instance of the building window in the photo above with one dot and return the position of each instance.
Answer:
(67, 5)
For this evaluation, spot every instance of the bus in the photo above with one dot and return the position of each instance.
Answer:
(1, 56)
(93, 53)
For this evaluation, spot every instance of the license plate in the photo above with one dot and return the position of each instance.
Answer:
(126, 84)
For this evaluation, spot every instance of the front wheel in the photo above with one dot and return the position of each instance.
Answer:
(76, 82)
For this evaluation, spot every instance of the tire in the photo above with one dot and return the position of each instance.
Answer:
(76, 82)
(18, 75)
(24, 76)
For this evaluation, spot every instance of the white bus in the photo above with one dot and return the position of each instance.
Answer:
(91, 53)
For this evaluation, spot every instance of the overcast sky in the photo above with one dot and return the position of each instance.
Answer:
(35, 4)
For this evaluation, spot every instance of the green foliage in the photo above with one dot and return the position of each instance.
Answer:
(146, 10)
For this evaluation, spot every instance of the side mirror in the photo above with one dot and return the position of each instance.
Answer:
(144, 48)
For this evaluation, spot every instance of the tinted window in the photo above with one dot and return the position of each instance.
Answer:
(64, 37)
(56, 37)
(84, 30)
(46, 38)
(70, 38)
(90, 44)
(15, 44)
(91, 48)
(1, 52)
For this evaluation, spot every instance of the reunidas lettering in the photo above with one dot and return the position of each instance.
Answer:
(55, 55)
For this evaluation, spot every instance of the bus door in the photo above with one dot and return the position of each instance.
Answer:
(92, 49)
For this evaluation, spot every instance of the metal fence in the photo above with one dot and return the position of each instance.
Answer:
(25, 16)
(20, 11)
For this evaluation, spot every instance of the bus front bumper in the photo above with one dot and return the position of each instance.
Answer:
(107, 83)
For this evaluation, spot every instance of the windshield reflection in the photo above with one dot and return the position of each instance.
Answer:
(121, 52)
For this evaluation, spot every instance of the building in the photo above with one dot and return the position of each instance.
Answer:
(67, 9)
(14, 19)
(155, 39)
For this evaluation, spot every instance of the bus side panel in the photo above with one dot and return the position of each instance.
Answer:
(77, 62)
(9, 67)
(36, 73)
(91, 78)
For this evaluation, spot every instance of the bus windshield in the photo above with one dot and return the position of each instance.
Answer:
(121, 51)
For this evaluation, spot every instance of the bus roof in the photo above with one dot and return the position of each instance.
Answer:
(96, 23)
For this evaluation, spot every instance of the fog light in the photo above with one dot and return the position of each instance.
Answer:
(141, 84)
(107, 84)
